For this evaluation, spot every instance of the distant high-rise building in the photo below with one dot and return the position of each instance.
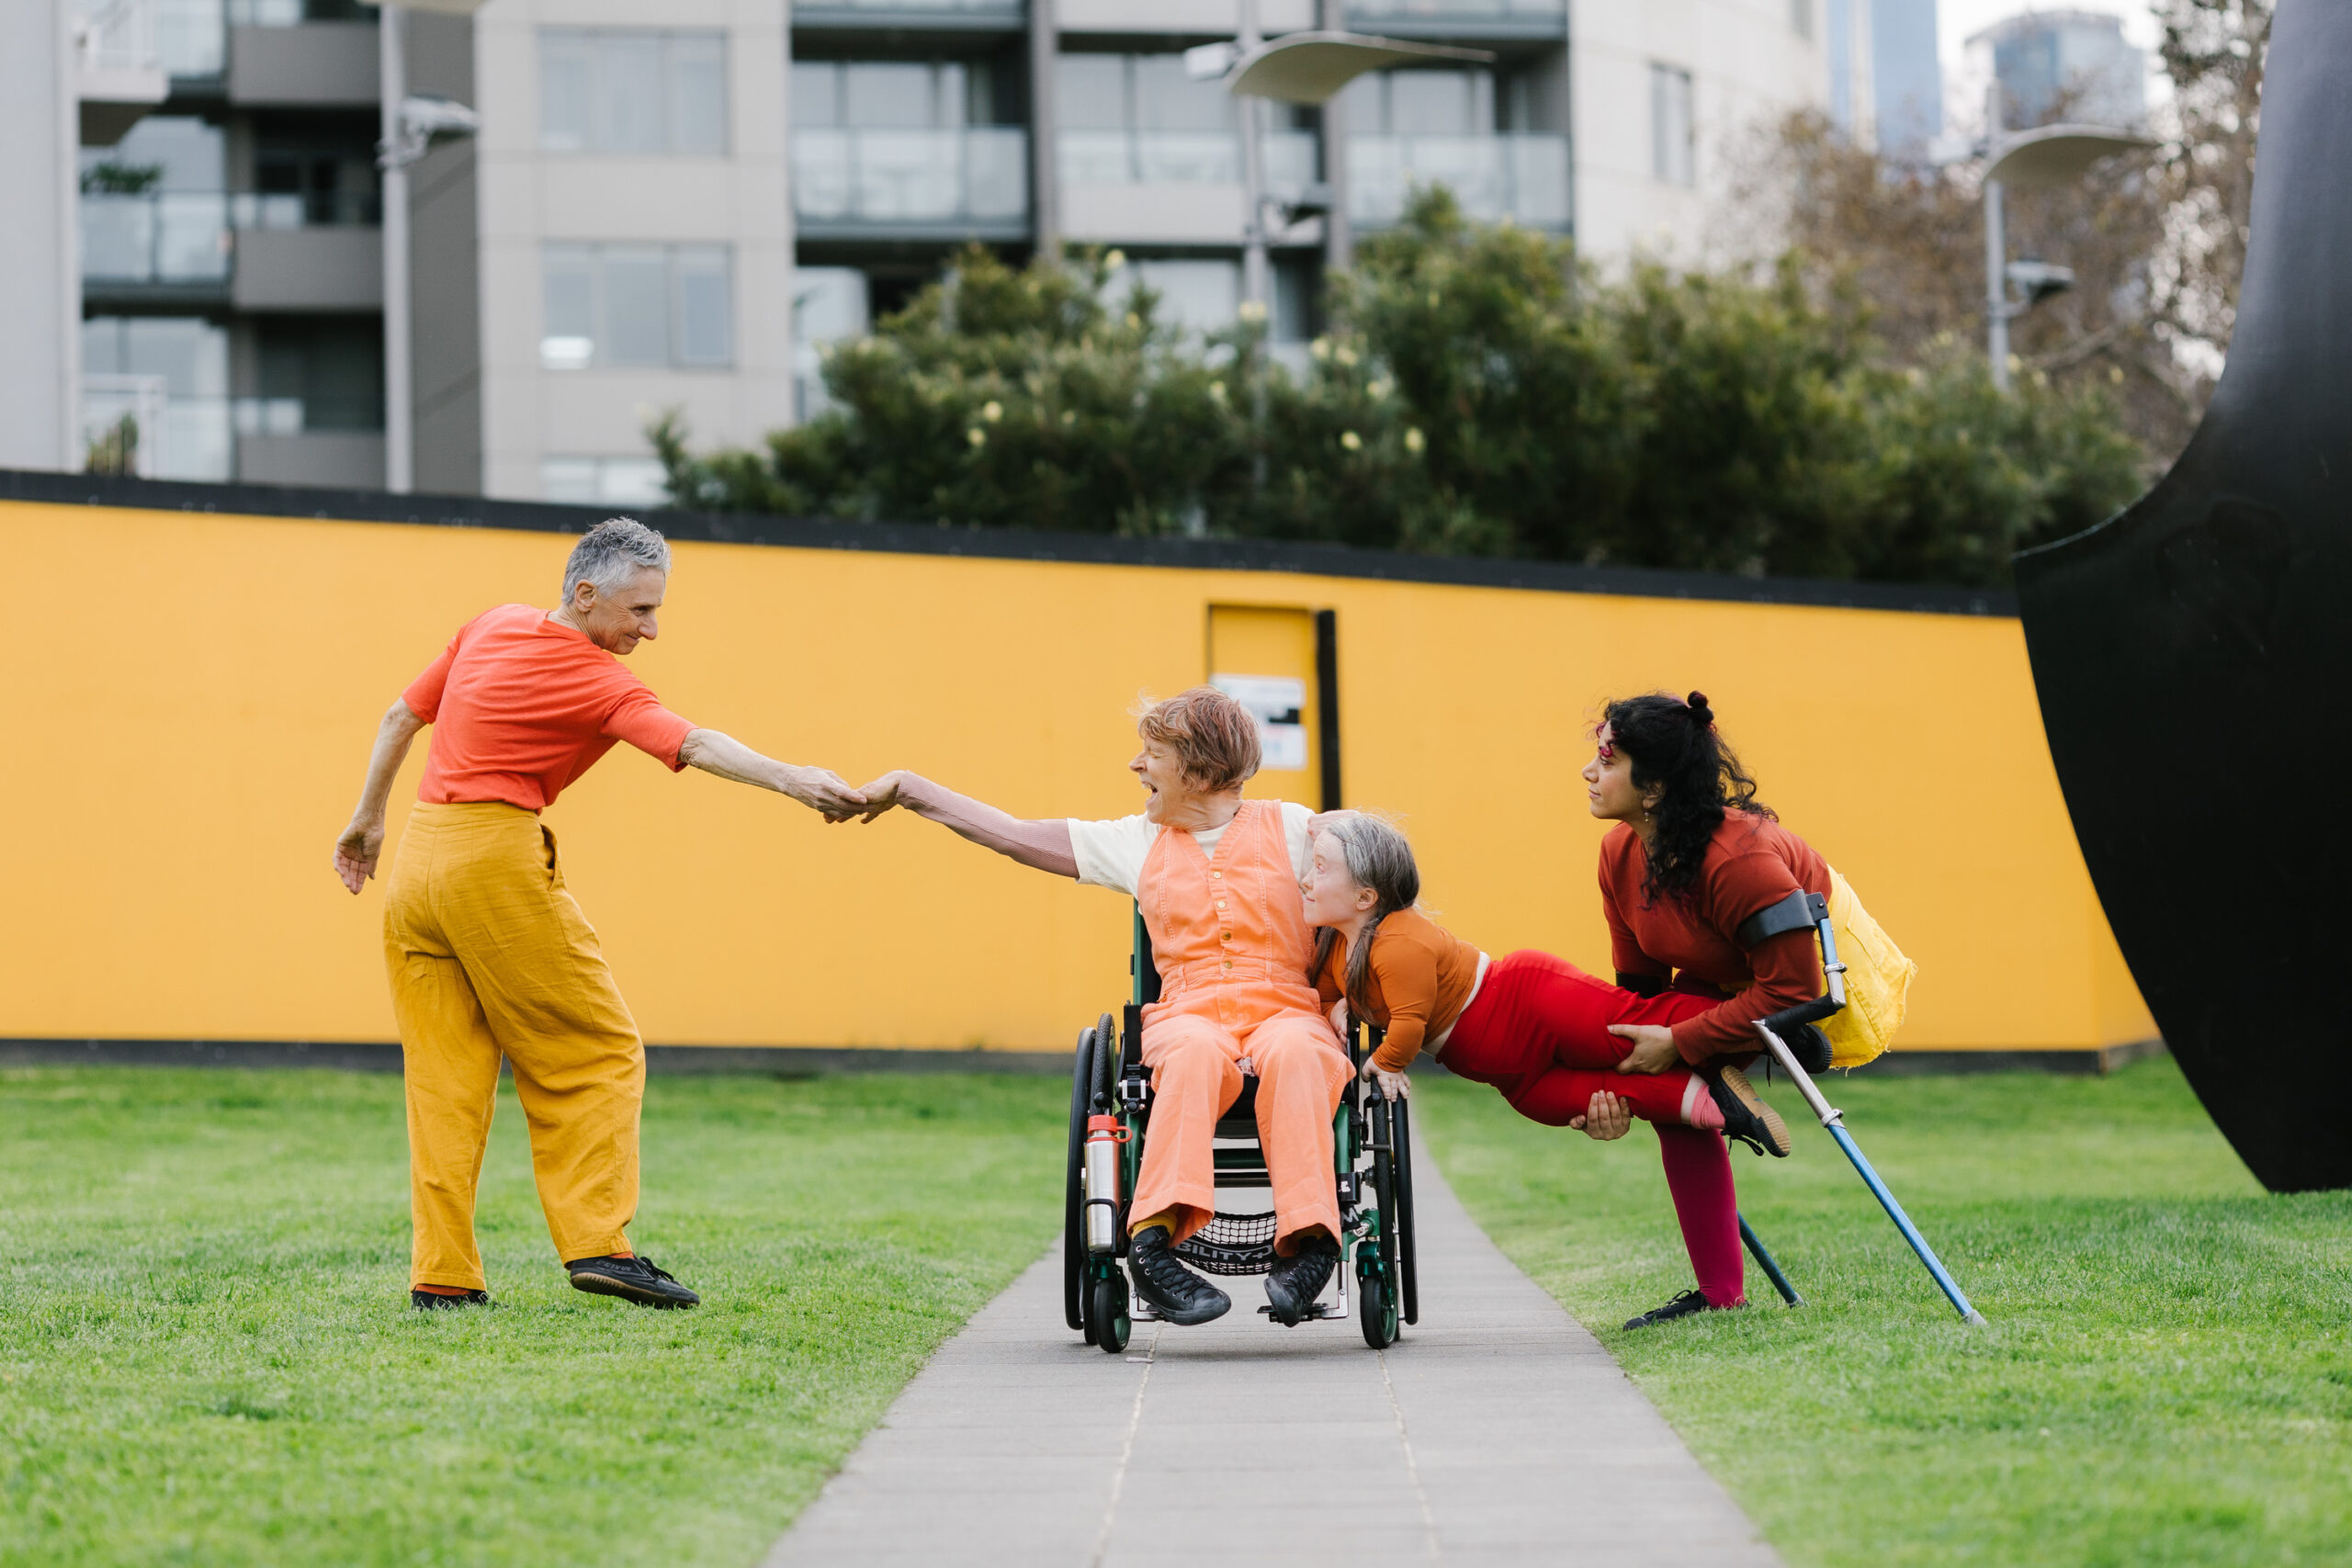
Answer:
(1885, 84)
(2071, 65)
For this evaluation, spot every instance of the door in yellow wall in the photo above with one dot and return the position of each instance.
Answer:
(1264, 658)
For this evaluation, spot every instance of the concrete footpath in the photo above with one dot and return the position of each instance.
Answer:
(1498, 1432)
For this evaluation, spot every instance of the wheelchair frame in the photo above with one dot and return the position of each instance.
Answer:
(1110, 1114)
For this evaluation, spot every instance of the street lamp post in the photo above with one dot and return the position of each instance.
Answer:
(2042, 159)
(1300, 68)
(410, 124)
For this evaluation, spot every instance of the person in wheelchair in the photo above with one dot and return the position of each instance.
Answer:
(1544, 1034)
(1218, 880)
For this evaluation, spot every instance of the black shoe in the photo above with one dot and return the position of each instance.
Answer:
(1746, 1116)
(433, 1301)
(1294, 1282)
(1809, 1046)
(1683, 1306)
(1176, 1293)
(632, 1280)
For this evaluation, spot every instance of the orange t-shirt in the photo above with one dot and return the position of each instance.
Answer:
(521, 706)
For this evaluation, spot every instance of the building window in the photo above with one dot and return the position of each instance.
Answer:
(632, 92)
(645, 307)
(894, 95)
(605, 481)
(1673, 139)
(162, 381)
(1800, 18)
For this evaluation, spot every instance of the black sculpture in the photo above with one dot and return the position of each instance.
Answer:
(2193, 656)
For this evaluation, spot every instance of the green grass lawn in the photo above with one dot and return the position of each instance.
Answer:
(207, 1354)
(2165, 1377)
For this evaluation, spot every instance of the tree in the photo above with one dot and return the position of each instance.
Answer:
(1479, 391)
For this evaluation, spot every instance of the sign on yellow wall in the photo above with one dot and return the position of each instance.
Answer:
(193, 697)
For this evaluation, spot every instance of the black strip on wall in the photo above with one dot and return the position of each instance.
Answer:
(999, 544)
(1326, 703)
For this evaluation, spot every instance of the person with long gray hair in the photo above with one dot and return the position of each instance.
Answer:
(489, 954)
(1535, 1026)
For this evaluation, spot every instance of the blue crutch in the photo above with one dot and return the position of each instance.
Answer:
(1810, 908)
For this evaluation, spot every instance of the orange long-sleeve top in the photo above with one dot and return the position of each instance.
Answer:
(1419, 978)
(1752, 863)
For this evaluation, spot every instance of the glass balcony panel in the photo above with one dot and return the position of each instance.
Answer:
(1096, 157)
(822, 160)
(191, 37)
(1188, 157)
(118, 236)
(1451, 10)
(911, 176)
(191, 237)
(997, 163)
(1521, 177)
(158, 237)
(983, 7)
(195, 441)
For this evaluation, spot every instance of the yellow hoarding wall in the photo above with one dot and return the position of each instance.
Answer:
(194, 696)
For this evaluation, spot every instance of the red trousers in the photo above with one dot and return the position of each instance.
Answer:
(1538, 1031)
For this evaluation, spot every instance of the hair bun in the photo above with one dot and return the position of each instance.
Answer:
(1699, 712)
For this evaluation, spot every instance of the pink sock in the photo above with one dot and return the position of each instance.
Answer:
(1699, 1107)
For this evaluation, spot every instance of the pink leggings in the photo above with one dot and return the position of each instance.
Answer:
(1539, 1032)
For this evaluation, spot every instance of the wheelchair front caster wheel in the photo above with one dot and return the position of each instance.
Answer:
(1377, 1309)
(1106, 1312)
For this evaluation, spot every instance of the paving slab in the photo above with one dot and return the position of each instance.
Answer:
(1496, 1434)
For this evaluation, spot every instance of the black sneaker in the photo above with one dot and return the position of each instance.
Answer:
(632, 1280)
(1176, 1293)
(1294, 1282)
(1746, 1116)
(1809, 1046)
(433, 1301)
(1683, 1306)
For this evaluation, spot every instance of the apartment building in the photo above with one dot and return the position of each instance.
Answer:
(676, 206)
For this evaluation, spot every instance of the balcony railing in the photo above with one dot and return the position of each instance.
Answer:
(977, 176)
(1456, 10)
(184, 437)
(188, 237)
(1180, 157)
(116, 34)
(170, 237)
(1520, 175)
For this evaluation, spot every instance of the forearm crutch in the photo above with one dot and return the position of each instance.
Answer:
(1834, 1118)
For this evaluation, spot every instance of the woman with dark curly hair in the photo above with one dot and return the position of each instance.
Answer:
(1694, 856)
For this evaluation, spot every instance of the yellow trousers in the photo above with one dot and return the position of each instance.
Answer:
(489, 956)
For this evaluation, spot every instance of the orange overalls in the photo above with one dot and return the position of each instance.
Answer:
(1229, 938)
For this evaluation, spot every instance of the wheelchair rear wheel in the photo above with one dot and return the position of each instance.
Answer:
(1409, 1270)
(1081, 1085)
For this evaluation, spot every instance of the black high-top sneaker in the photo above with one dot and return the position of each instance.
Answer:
(1294, 1282)
(632, 1280)
(433, 1301)
(1683, 1306)
(1176, 1293)
(1746, 1116)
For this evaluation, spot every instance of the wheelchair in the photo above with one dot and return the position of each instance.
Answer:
(1110, 1118)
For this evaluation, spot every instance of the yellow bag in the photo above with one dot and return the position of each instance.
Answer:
(1878, 981)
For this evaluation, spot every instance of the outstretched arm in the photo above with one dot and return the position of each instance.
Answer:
(820, 789)
(362, 842)
(1043, 844)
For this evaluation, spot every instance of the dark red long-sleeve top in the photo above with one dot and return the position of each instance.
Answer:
(1752, 863)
